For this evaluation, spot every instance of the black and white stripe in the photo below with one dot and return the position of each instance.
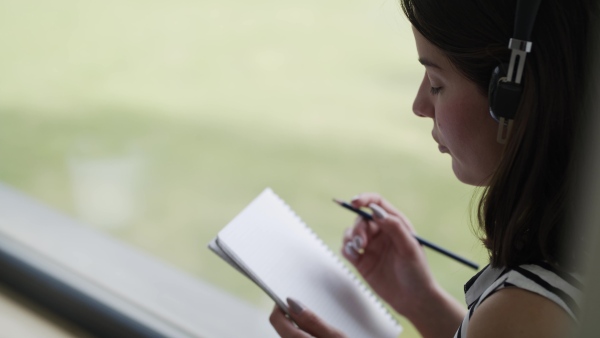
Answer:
(561, 287)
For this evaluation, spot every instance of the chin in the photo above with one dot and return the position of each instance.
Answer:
(467, 176)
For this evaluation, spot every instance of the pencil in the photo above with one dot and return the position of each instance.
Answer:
(421, 241)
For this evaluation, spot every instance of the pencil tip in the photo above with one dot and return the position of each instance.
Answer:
(337, 201)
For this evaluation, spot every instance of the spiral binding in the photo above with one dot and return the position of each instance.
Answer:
(352, 275)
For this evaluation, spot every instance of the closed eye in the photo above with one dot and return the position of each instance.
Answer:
(435, 90)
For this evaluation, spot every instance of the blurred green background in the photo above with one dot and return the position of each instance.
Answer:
(158, 121)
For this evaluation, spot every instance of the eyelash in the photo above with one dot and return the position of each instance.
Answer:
(435, 90)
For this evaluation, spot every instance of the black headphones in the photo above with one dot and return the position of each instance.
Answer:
(505, 85)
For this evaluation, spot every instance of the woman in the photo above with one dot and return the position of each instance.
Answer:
(526, 290)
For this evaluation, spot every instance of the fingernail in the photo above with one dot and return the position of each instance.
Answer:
(295, 306)
(350, 251)
(378, 211)
(358, 242)
(355, 198)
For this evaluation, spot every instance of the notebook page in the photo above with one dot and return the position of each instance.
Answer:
(285, 255)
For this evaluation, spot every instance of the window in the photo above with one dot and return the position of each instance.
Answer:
(157, 122)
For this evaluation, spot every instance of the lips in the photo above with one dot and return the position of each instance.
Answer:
(442, 148)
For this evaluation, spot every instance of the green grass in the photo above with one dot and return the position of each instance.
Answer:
(220, 99)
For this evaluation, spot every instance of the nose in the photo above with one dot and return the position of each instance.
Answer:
(422, 105)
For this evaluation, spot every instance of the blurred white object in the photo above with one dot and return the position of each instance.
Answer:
(106, 188)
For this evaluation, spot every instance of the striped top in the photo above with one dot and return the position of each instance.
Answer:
(560, 287)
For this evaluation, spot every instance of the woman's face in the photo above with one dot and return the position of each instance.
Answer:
(462, 125)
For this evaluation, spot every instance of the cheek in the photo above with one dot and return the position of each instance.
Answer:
(456, 120)
(470, 134)
(463, 124)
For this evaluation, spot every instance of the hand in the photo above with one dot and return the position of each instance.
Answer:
(386, 253)
(392, 261)
(307, 323)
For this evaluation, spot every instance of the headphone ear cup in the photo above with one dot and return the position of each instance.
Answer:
(504, 97)
(499, 72)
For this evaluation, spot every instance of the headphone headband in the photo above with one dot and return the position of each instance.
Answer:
(524, 18)
(521, 43)
(505, 85)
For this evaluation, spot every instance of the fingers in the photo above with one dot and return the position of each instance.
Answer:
(364, 199)
(396, 228)
(284, 326)
(386, 219)
(351, 248)
(356, 239)
(370, 199)
(307, 324)
(378, 212)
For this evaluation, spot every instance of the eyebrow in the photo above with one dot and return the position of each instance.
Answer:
(428, 63)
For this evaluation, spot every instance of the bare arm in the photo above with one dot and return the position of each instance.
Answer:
(513, 312)
(440, 316)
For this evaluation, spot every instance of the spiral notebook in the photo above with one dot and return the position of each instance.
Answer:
(269, 244)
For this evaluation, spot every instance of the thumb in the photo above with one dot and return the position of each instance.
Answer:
(309, 322)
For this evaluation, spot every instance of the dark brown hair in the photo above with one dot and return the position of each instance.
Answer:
(522, 211)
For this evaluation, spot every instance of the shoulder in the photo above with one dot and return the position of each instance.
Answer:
(515, 312)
